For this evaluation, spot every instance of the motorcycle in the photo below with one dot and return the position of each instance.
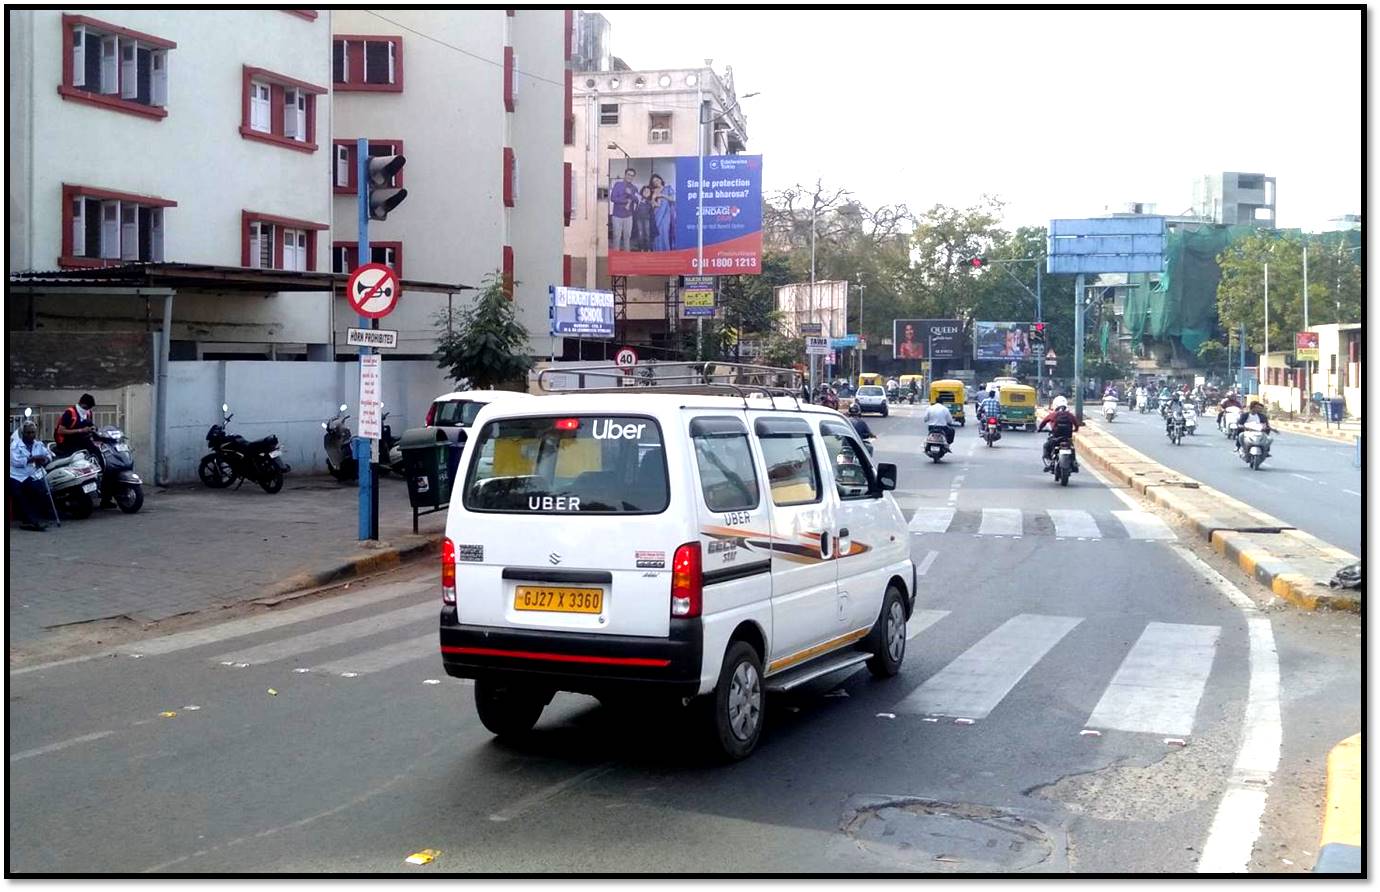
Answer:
(1254, 445)
(1108, 408)
(338, 442)
(828, 399)
(893, 395)
(991, 430)
(233, 459)
(1226, 422)
(1174, 429)
(1143, 404)
(1065, 462)
(937, 444)
(1190, 420)
(118, 480)
(854, 409)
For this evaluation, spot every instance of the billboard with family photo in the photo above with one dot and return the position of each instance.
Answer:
(652, 215)
(1001, 340)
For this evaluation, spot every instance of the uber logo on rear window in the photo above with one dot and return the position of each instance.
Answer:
(612, 430)
(651, 560)
(473, 553)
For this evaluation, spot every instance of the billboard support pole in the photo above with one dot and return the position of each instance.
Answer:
(1078, 348)
(699, 213)
(1039, 317)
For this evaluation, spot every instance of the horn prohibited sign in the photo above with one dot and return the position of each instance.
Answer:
(373, 290)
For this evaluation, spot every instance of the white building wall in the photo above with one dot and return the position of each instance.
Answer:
(451, 118)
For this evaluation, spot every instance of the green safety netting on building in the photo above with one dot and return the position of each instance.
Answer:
(1182, 301)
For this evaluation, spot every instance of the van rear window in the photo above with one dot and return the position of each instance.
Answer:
(457, 413)
(586, 464)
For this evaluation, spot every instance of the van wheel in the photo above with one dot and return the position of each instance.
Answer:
(505, 710)
(888, 639)
(737, 704)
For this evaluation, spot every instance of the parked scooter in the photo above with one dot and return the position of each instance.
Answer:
(233, 459)
(338, 442)
(1254, 445)
(118, 480)
(937, 444)
(75, 484)
(1108, 408)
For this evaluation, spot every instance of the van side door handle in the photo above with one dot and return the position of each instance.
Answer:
(824, 544)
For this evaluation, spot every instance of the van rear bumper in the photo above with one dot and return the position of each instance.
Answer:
(576, 661)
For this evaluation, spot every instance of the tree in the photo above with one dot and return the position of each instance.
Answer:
(1213, 354)
(484, 344)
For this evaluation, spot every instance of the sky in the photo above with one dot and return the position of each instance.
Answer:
(1059, 113)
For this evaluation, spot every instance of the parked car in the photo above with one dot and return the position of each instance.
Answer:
(456, 411)
(647, 546)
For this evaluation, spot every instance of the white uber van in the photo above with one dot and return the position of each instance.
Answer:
(676, 545)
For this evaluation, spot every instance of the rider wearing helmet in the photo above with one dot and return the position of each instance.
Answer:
(1062, 423)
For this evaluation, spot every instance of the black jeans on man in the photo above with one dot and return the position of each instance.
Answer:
(30, 500)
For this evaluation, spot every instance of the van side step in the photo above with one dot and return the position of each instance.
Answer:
(794, 678)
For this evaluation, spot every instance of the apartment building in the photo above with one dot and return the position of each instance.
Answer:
(623, 114)
(1236, 199)
(475, 100)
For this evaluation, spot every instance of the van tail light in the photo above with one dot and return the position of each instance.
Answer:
(448, 572)
(687, 582)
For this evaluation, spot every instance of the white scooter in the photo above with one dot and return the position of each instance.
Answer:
(1108, 408)
(1190, 419)
(1255, 445)
(1227, 421)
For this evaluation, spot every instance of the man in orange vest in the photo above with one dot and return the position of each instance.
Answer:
(74, 428)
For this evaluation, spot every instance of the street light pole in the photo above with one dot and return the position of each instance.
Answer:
(699, 212)
(860, 324)
(814, 209)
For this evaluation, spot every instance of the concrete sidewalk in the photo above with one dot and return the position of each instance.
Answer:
(192, 548)
(1346, 432)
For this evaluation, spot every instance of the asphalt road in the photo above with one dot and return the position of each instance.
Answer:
(1309, 482)
(1056, 664)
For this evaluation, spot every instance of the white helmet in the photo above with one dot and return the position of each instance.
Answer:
(1060, 402)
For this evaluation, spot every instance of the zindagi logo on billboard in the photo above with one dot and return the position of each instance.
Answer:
(655, 213)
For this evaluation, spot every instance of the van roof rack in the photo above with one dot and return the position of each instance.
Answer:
(738, 379)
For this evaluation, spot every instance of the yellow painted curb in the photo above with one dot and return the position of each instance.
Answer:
(1342, 814)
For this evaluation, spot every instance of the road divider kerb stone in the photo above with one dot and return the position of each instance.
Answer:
(1314, 430)
(1340, 844)
(1293, 564)
(387, 557)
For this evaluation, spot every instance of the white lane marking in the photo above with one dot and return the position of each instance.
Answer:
(300, 644)
(924, 566)
(1157, 687)
(60, 745)
(921, 620)
(540, 796)
(1236, 826)
(1144, 525)
(250, 625)
(1352, 492)
(387, 657)
(1074, 523)
(931, 520)
(1301, 477)
(1117, 491)
(1000, 522)
(976, 681)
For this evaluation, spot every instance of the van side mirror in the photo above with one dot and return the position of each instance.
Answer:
(886, 476)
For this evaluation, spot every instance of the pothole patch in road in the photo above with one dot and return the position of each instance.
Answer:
(927, 834)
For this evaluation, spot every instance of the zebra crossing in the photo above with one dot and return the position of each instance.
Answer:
(1062, 523)
(1152, 686)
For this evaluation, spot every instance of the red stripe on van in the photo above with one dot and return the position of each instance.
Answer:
(559, 658)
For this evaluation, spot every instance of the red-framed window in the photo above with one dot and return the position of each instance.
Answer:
(510, 177)
(308, 14)
(569, 107)
(102, 227)
(114, 67)
(508, 267)
(279, 110)
(510, 78)
(344, 168)
(345, 255)
(367, 63)
(569, 192)
(565, 270)
(268, 241)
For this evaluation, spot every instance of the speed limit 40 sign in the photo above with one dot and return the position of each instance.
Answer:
(626, 359)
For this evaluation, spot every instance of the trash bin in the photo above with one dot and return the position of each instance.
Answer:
(429, 466)
(1336, 408)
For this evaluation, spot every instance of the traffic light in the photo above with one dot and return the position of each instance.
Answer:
(1037, 334)
(977, 262)
(380, 172)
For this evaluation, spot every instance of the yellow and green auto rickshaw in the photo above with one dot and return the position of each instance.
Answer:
(1017, 406)
(950, 392)
(873, 378)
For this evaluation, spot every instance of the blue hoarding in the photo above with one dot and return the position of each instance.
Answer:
(576, 312)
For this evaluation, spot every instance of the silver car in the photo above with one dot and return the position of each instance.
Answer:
(871, 398)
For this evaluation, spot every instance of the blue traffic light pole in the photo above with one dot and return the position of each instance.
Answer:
(368, 516)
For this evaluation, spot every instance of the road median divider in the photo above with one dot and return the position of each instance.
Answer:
(1313, 429)
(1340, 844)
(1295, 565)
(374, 559)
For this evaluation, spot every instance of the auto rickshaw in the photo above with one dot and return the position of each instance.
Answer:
(950, 392)
(905, 381)
(873, 378)
(1017, 406)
